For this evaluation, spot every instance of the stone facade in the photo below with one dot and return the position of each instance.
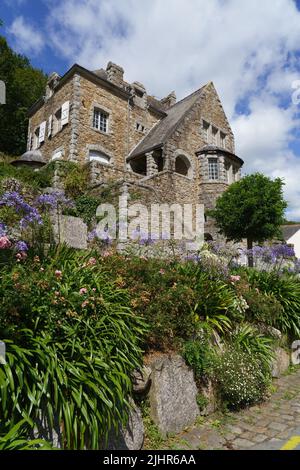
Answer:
(183, 152)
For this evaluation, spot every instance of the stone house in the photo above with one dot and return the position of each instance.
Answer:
(181, 151)
(291, 235)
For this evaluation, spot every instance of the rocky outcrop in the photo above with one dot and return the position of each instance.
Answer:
(295, 356)
(173, 394)
(280, 363)
(131, 437)
(141, 380)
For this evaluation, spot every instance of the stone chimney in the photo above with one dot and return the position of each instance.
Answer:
(169, 100)
(115, 73)
(140, 95)
(52, 82)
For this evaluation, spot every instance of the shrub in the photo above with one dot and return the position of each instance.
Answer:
(286, 290)
(247, 338)
(240, 379)
(198, 356)
(34, 179)
(72, 343)
(262, 307)
(76, 181)
(85, 207)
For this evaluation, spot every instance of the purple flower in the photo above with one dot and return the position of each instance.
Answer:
(21, 246)
(92, 235)
(3, 229)
(53, 200)
(28, 213)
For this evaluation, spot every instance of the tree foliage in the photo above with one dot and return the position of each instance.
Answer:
(24, 85)
(252, 208)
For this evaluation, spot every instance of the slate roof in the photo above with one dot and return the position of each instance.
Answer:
(166, 126)
(289, 230)
(30, 157)
(213, 149)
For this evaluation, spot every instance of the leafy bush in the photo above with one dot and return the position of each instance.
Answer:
(76, 181)
(85, 207)
(246, 338)
(175, 299)
(286, 290)
(34, 179)
(262, 307)
(16, 439)
(72, 343)
(198, 356)
(240, 379)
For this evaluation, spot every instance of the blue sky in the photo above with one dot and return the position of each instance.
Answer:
(250, 50)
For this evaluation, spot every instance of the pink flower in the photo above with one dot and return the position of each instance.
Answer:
(235, 279)
(58, 274)
(94, 289)
(84, 304)
(4, 243)
(92, 262)
(162, 271)
(83, 291)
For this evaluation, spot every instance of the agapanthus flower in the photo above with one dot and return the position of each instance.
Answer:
(54, 200)
(21, 246)
(3, 229)
(92, 235)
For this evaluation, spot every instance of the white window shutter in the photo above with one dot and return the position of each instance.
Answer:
(65, 113)
(42, 132)
(50, 126)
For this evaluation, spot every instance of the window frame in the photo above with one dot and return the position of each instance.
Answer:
(213, 169)
(104, 129)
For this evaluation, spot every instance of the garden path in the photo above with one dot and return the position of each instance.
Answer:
(270, 425)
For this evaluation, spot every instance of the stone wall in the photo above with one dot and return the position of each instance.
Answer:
(61, 140)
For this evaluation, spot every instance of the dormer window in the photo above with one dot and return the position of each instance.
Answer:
(213, 169)
(100, 120)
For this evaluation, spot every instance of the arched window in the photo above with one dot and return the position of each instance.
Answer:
(183, 166)
(95, 155)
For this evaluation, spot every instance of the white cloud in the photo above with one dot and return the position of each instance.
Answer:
(27, 39)
(263, 138)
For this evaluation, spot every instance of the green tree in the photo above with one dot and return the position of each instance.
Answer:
(24, 85)
(252, 208)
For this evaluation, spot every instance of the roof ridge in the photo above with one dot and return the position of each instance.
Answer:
(188, 96)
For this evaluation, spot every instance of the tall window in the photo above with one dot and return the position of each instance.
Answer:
(205, 128)
(214, 133)
(100, 120)
(57, 122)
(36, 136)
(223, 140)
(213, 169)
